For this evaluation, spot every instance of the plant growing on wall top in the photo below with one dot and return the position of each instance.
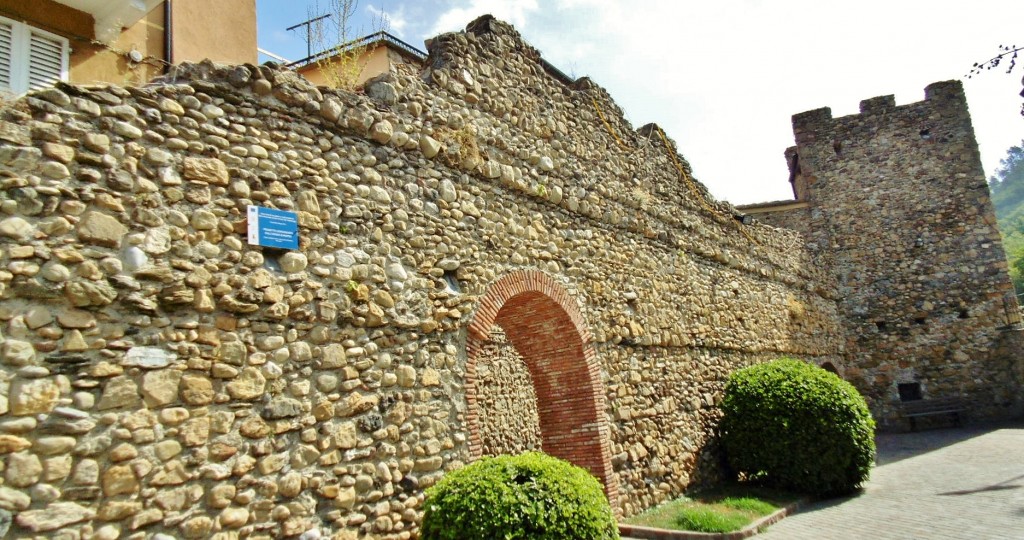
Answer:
(342, 58)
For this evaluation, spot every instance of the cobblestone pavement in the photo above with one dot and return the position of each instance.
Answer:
(960, 483)
(946, 483)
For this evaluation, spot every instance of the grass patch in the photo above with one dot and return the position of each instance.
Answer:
(719, 510)
(749, 504)
(710, 519)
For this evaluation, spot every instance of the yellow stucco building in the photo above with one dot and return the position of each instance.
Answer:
(117, 41)
(370, 56)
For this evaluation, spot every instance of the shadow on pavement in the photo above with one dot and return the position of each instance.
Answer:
(1004, 485)
(895, 447)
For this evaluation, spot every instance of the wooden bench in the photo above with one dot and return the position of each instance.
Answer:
(953, 406)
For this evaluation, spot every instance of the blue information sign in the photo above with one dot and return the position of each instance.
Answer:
(270, 227)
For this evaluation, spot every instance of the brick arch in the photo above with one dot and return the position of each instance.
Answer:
(546, 327)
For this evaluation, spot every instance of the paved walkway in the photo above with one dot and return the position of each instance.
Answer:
(947, 483)
(962, 483)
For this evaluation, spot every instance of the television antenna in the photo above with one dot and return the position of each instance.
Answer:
(309, 32)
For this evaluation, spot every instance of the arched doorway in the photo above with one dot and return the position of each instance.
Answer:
(545, 326)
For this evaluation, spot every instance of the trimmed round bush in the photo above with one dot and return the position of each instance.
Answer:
(529, 496)
(796, 426)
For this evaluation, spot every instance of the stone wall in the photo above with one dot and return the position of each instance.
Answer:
(898, 207)
(160, 375)
(783, 214)
(509, 423)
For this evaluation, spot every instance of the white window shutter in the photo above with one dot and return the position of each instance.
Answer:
(47, 60)
(6, 55)
(30, 58)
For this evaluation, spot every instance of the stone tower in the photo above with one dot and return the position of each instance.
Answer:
(895, 200)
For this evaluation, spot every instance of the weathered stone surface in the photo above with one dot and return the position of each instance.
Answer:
(118, 510)
(333, 356)
(290, 484)
(254, 427)
(382, 132)
(406, 376)
(382, 90)
(13, 443)
(233, 352)
(282, 407)
(203, 220)
(17, 353)
(429, 146)
(15, 134)
(23, 469)
(331, 109)
(148, 357)
(166, 450)
(293, 262)
(54, 516)
(207, 170)
(196, 389)
(49, 446)
(234, 518)
(87, 293)
(33, 396)
(74, 341)
(196, 431)
(76, 318)
(119, 480)
(101, 229)
(160, 387)
(119, 392)
(13, 500)
(249, 385)
(16, 228)
(127, 130)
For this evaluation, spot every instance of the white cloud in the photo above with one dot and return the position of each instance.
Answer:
(723, 78)
(393, 21)
(456, 18)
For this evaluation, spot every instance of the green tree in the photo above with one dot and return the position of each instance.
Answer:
(1009, 175)
(1007, 186)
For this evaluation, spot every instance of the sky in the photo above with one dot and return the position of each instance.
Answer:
(724, 77)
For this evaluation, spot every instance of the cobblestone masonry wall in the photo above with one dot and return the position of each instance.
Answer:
(900, 210)
(161, 376)
(794, 219)
(508, 401)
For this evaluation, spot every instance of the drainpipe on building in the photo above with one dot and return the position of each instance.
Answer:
(168, 37)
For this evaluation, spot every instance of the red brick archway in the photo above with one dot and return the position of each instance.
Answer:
(546, 327)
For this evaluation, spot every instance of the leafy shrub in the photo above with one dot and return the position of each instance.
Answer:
(796, 426)
(531, 495)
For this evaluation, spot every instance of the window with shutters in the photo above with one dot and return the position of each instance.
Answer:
(30, 58)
